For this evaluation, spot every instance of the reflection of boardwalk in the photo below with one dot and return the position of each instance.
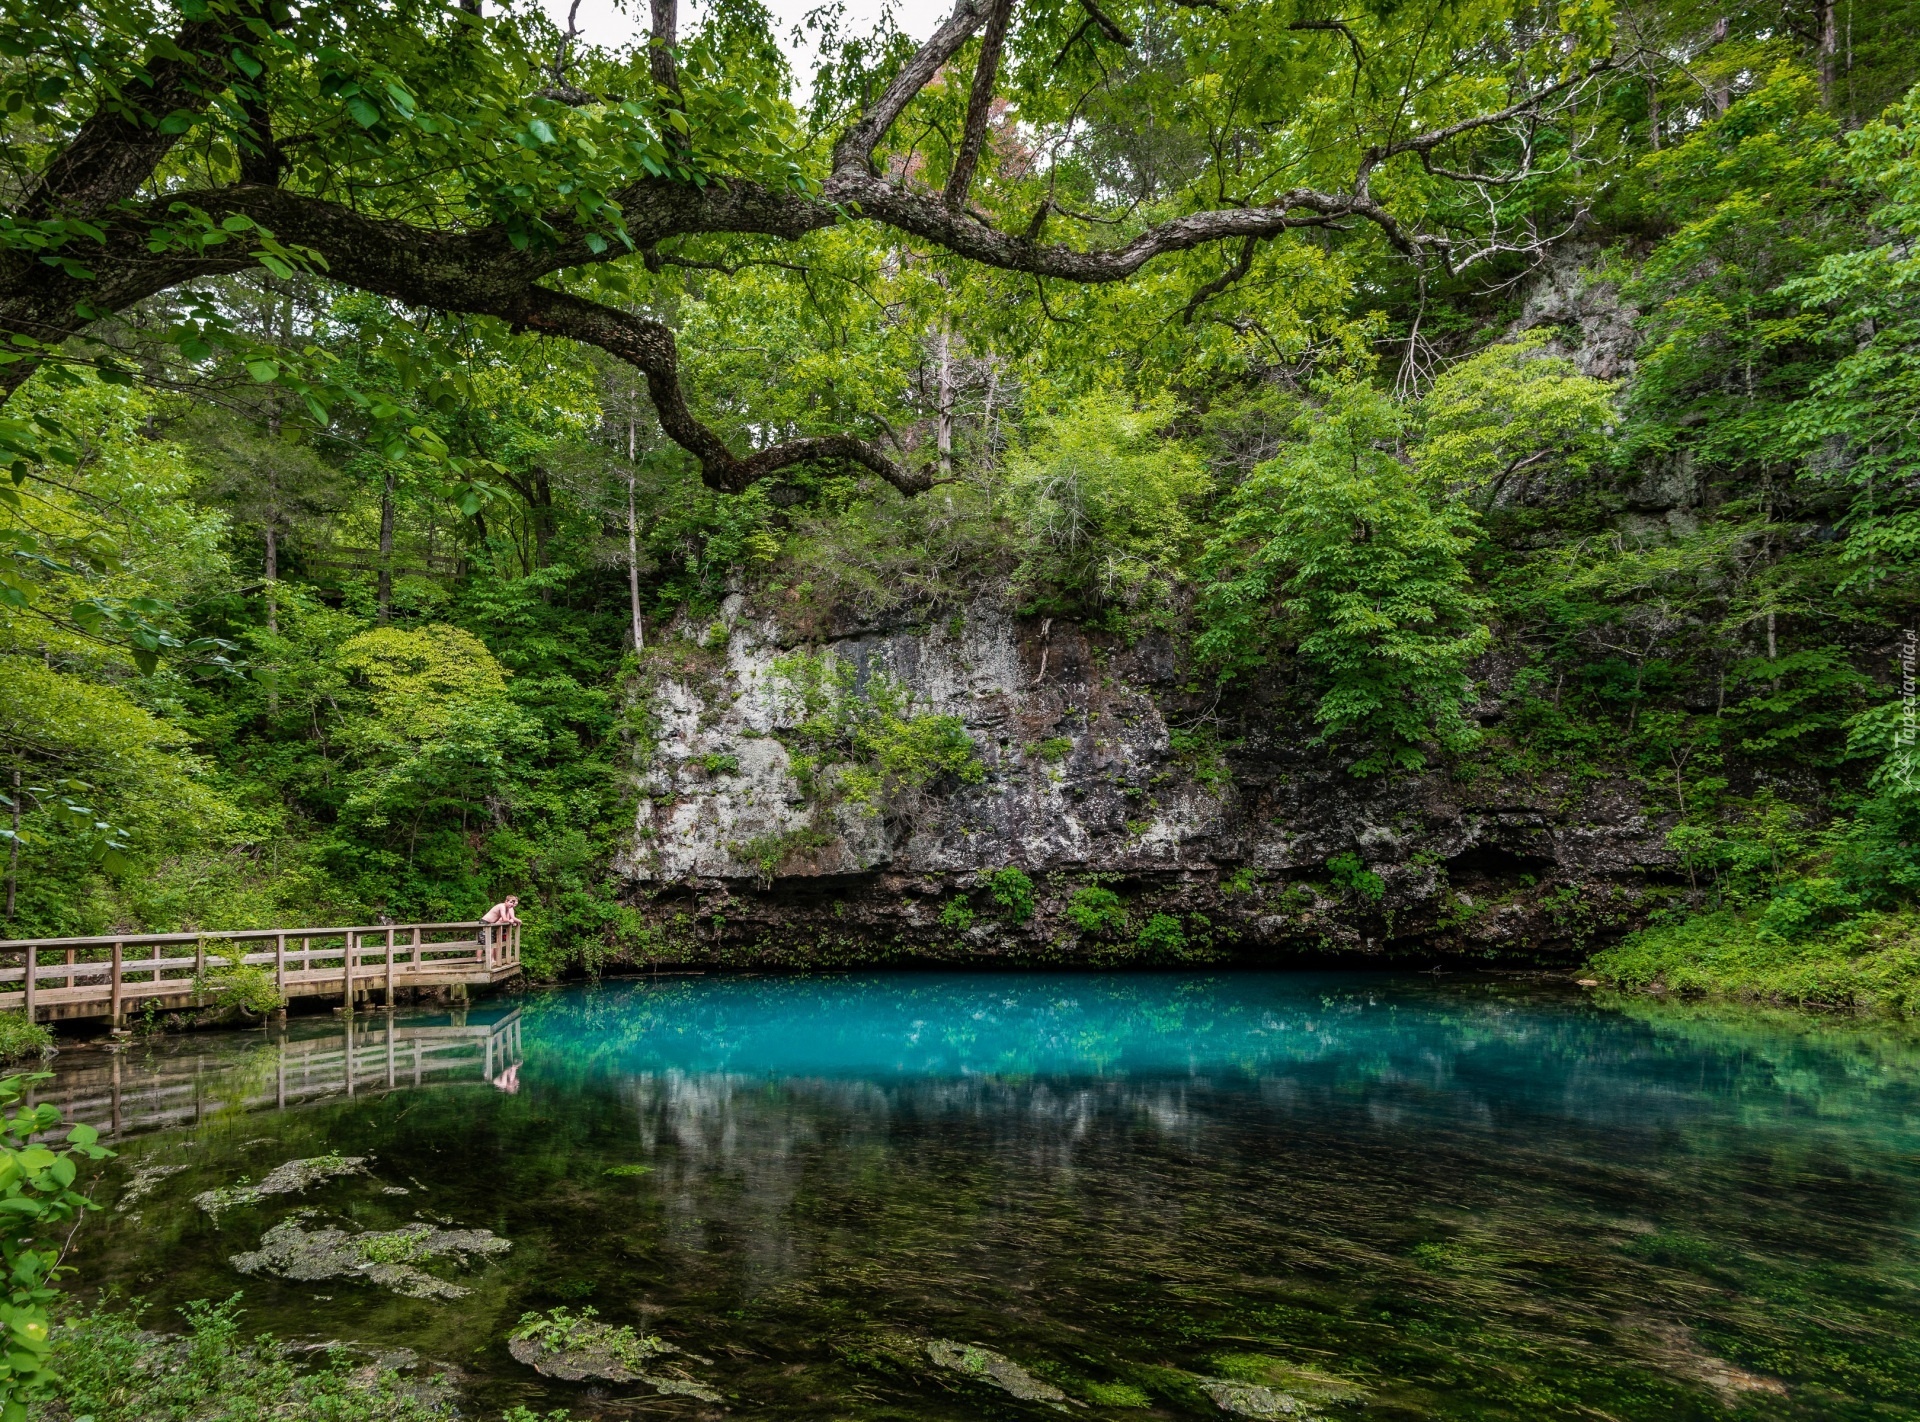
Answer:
(103, 977)
(128, 1091)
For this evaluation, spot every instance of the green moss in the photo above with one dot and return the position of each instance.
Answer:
(1053, 750)
(957, 915)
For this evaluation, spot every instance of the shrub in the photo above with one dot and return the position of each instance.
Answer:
(1350, 872)
(21, 1038)
(235, 984)
(957, 915)
(1099, 911)
(1013, 891)
(1163, 937)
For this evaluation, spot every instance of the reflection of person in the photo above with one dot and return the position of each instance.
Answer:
(503, 912)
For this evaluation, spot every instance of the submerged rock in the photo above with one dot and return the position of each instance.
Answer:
(291, 1178)
(575, 1347)
(1253, 1399)
(145, 1178)
(996, 1369)
(389, 1258)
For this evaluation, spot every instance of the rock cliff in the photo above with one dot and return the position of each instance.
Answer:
(784, 818)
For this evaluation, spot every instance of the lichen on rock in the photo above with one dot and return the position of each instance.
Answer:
(1245, 1399)
(292, 1177)
(389, 1258)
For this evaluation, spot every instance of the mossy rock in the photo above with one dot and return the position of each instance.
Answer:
(291, 1178)
(994, 1369)
(389, 1258)
(578, 1347)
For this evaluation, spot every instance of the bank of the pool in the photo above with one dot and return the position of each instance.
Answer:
(1866, 964)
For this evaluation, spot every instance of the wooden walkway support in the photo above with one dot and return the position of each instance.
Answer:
(55, 978)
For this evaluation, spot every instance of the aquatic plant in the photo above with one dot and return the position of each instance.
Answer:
(230, 983)
(389, 1258)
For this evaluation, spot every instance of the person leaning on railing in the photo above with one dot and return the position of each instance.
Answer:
(501, 915)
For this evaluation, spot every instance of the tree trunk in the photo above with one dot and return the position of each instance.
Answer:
(273, 578)
(1653, 113)
(1722, 93)
(633, 550)
(13, 846)
(383, 593)
(1829, 50)
(944, 415)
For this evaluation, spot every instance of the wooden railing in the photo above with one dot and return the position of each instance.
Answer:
(67, 977)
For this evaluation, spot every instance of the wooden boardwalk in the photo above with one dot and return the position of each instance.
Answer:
(55, 978)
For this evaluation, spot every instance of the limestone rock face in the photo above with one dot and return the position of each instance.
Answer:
(1098, 765)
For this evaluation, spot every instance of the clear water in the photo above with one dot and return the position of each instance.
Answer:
(1475, 1199)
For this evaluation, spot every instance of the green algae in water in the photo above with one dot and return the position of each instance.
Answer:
(1152, 1193)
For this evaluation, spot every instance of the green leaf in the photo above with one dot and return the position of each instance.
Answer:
(263, 370)
(364, 113)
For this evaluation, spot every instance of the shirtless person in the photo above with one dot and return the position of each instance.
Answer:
(503, 912)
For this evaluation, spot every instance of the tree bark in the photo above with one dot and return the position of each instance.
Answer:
(979, 104)
(1829, 50)
(943, 414)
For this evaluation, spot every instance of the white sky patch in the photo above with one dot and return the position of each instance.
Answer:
(615, 23)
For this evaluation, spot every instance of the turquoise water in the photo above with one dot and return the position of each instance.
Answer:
(1465, 1198)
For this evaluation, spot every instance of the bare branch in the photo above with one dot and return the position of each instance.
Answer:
(979, 103)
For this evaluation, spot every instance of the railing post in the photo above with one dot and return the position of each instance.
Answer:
(389, 971)
(119, 1010)
(69, 969)
(33, 971)
(416, 947)
(280, 965)
(346, 985)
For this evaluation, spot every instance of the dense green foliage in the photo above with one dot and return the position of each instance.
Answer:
(332, 612)
(38, 1205)
(113, 1370)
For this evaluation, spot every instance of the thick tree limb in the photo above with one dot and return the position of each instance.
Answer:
(649, 347)
(118, 148)
(480, 270)
(986, 75)
(855, 148)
